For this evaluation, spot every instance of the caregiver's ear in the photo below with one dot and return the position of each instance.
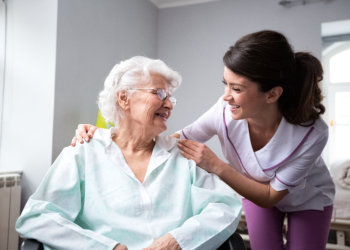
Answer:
(274, 94)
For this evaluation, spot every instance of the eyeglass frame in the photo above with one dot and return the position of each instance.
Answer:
(160, 93)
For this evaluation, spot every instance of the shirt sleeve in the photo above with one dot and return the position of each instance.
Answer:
(216, 213)
(292, 175)
(50, 212)
(205, 126)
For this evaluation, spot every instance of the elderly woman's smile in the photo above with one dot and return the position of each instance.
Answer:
(150, 105)
(163, 114)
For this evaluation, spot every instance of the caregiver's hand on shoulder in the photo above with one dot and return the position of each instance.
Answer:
(200, 153)
(83, 133)
(166, 242)
(177, 136)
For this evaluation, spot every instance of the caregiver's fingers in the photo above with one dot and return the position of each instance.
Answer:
(77, 139)
(189, 143)
(193, 145)
(85, 131)
(82, 132)
(91, 131)
(175, 135)
(188, 148)
(192, 152)
(189, 156)
(74, 141)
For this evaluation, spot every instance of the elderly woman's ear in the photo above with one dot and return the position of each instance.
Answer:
(123, 99)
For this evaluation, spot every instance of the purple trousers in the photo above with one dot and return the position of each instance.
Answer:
(307, 229)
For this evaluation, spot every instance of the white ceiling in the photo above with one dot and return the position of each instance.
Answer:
(176, 3)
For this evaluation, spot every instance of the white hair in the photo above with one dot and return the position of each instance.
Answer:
(129, 74)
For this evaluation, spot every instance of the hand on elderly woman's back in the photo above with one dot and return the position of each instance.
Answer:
(83, 133)
(166, 242)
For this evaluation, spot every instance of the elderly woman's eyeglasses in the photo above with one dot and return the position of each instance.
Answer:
(161, 94)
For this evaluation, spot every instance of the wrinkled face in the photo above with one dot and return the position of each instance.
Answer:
(146, 109)
(244, 97)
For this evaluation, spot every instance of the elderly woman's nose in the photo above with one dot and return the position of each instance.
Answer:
(167, 103)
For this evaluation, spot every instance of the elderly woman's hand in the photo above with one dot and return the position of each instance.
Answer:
(83, 132)
(166, 242)
(201, 154)
(120, 247)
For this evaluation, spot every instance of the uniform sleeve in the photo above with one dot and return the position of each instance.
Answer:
(205, 126)
(292, 175)
(50, 212)
(216, 213)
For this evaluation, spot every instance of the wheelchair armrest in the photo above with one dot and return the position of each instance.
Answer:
(235, 242)
(31, 244)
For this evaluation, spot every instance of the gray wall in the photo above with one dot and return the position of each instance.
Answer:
(50, 89)
(93, 36)
(193, 39)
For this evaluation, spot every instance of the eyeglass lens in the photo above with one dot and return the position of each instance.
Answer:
(162, 95)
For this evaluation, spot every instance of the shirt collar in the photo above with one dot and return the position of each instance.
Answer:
(164, 144)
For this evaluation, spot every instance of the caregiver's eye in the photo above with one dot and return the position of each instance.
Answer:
(236, 89)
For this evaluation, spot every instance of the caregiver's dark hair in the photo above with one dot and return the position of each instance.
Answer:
(266, 57)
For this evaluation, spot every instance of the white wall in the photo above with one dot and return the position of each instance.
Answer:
(193, 39)
(29, 89)
(93, 36)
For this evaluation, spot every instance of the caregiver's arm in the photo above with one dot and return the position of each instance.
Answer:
(261, 194)
(85, 132)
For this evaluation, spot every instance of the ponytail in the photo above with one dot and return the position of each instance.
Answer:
(308, 106)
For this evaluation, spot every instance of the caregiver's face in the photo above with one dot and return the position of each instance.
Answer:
(243, 95)
(150, 105)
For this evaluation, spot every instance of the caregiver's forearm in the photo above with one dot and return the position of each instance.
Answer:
(262, 194)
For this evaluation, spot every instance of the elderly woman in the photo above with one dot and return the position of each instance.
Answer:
(130, 188)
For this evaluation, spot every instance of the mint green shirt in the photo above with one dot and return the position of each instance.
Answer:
(90, 199)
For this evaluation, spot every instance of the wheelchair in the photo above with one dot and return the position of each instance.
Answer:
(235, 242)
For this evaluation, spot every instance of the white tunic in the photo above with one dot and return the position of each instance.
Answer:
(290, 160)
(91, 199)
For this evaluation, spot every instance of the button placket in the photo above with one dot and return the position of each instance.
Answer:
(146, 205)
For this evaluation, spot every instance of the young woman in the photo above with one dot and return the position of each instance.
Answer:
(268, 122)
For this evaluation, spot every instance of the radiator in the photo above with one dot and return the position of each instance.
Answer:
(10, 200)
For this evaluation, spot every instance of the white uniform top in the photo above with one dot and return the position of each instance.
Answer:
(290, 160)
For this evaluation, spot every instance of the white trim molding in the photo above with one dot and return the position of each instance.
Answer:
(176, 3)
